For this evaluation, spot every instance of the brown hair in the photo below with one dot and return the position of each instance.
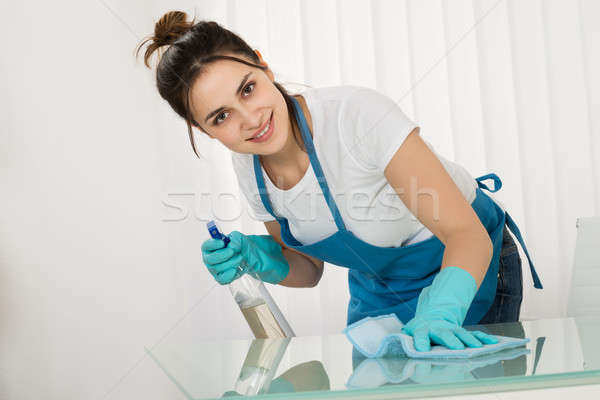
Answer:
(191, 47)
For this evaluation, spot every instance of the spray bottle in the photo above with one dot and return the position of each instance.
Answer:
(258, 307)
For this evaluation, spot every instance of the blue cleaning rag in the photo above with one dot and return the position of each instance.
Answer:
(380, 336)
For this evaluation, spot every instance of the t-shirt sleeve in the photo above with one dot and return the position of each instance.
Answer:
(373, 127)
(244, 171)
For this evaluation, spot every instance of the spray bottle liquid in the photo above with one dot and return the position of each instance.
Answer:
(258, 307)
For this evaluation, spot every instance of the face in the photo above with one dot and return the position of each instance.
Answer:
(235, 116)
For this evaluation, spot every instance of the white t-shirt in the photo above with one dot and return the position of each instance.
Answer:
(356, 132)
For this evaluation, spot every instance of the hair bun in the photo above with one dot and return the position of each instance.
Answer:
(169, 28)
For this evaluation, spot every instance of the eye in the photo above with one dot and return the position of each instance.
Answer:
(217, 119)
(251, 84)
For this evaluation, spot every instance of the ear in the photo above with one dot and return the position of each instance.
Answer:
(262, 62)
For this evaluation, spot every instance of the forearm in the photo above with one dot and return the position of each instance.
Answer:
(303, 272)
(470, 250)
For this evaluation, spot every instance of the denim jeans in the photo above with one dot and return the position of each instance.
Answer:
(509, 290)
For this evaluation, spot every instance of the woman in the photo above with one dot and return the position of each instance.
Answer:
(431, 253)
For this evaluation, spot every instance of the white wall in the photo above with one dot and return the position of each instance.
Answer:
(93, 267)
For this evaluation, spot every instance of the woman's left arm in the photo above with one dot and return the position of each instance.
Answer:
(428, 191)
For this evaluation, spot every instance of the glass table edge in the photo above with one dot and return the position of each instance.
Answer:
(481, 386)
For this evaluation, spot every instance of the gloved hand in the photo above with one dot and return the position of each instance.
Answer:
(258, 253)
(441, 311)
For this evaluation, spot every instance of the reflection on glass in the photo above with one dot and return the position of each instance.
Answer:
(509, 367)
(561, 352)
(307, 376)
(260, 364)
(588, 330)
(374, 372)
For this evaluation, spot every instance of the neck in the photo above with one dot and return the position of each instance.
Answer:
(286, 167)
(288, 156)
(291, 156)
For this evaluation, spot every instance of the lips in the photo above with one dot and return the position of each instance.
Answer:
(262, 127)
(266, 134)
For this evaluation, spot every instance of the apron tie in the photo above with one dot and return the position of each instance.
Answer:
(512, 226)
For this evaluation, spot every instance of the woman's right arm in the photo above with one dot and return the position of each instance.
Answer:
(305, 271)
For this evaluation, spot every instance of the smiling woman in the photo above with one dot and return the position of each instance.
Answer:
(432, 255)
(236, 105)
(196, 77)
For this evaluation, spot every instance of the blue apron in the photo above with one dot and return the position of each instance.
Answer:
(385, 280)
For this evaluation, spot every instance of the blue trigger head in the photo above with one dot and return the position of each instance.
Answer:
(215, 233)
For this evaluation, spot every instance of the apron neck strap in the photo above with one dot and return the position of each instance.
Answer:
(315, 164)
(262, 189)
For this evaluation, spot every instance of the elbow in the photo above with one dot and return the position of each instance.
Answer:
(318, 275)
(475, 238)
(486, 246)
(482, 237)
(489, 248)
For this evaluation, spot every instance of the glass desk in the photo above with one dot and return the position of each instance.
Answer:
(561, 352)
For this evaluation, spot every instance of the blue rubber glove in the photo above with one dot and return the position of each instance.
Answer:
(260, 254)
(441, 311)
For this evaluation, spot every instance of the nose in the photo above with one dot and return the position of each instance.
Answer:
(252, 119)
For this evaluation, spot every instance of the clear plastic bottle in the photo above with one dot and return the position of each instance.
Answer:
(258, 307)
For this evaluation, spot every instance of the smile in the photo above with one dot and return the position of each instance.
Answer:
(265, 133)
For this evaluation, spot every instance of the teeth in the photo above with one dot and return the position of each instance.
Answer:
(264, 130)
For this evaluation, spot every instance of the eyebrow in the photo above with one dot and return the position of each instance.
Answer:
(239, 89)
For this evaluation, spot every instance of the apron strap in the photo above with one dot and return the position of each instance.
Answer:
(515, 230)
(497, 182)
(262, 190)
(512, 226)
(316, 166)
